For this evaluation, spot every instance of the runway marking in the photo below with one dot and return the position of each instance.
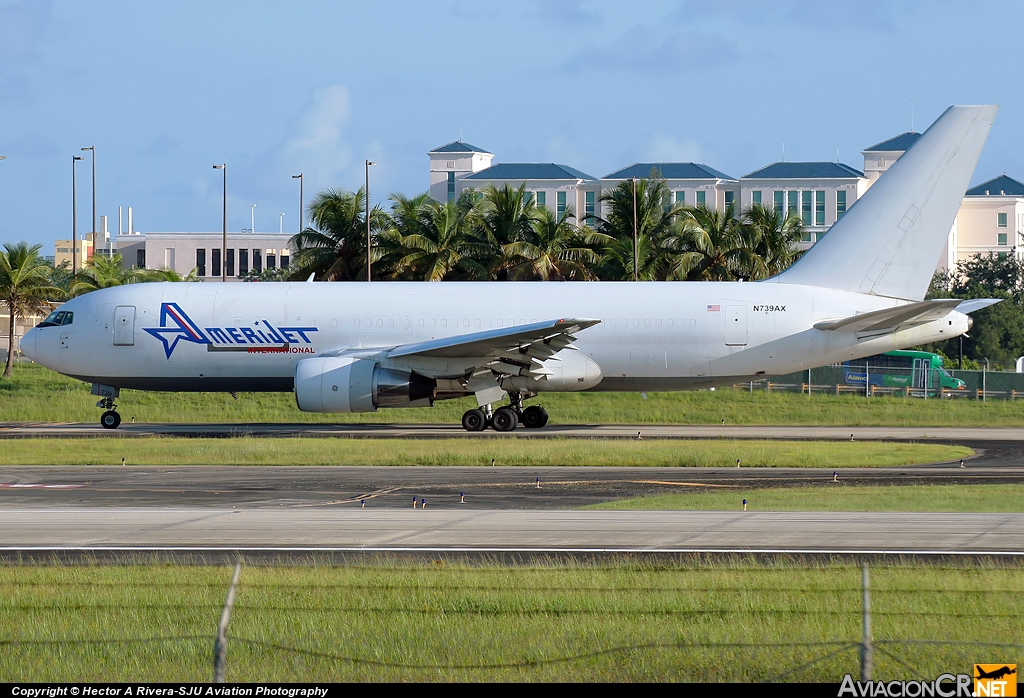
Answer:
(369, 495)
(37, 486)
(681, 484)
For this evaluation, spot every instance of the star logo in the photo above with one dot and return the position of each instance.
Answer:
(180, 328)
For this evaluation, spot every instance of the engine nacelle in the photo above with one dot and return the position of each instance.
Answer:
(340, 384)
(573, 371)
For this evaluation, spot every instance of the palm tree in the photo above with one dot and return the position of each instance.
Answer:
(441, 245)
(556, 250)
(25, 286)
(504, 217)
(655, 216)
(712, 245)
(334, 246)
(104, 272)
(776, 236)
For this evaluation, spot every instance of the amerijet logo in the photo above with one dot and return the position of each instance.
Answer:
(262, 337)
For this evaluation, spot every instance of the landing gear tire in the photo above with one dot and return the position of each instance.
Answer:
(110, 420)
(474, 420)
(534, 417)
(505, 419)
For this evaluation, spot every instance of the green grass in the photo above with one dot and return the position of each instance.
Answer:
(436, 622)
(470, 451)
(36, 394)
(835, 496)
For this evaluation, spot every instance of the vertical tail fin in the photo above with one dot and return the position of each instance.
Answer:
(889, 242)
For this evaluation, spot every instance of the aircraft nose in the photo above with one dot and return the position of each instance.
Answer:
(28, 344)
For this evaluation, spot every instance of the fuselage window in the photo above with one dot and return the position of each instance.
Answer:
(478, 323)
(668, 323)
(433, 323)
(391, 323)
(444, 323)
(611, 323)
(369, 322)
(636, 323)
(657, 323)
(693, 323)
(357, 323)
(421, 323)
(380, 323)
(647, 323)
(501, 323)
(625, 323)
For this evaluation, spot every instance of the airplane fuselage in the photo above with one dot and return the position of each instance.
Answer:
(651, 336)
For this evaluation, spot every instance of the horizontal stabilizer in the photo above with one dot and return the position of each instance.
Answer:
(968, 307)
(892, 319)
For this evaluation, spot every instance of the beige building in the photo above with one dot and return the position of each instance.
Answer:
(183, 252)
(63, 253)
(991, 220)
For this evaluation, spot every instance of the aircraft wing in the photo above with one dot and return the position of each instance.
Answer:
(539, 340)
(891, 319)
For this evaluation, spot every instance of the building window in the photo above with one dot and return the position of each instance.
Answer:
(271, 260)
(779, 199)
(819, 208)
(257, 261)
(666, 202)
(755, 198)
(805, 207)
(1003, 256)
(589, 208)
(215, 266)
(681, 197)
(140, 259)
(451, 187)
(542, 199)
(702, 198)
(1002, 219)
(201, 262)
(793, 203)
(840, 204)
(229, 263)
(528, 201)
(243, 262)
(559, 203)
(728, 198)
(284, 260)
(1002, 238)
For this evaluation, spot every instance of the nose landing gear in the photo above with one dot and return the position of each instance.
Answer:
(110, 419)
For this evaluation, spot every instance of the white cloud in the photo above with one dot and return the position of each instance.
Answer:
(318, 143)
(665, 147)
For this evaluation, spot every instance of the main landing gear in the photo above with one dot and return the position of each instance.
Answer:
(505, 418)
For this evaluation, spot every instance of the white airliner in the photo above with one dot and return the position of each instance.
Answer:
(358, 347)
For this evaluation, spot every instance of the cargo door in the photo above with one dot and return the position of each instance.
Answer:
(736, 325)
(124, 326)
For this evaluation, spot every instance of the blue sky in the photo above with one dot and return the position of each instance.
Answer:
(164, 90)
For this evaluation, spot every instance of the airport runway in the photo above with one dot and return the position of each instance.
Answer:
(479, 530)
(394, 487)
(12, 430)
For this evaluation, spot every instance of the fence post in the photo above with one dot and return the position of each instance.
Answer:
(220, 646)
(866, 651)
(867, 379)
(808, 381)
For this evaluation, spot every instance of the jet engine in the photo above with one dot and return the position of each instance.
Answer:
(340, 384)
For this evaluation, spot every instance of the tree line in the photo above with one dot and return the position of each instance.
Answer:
(502, 234)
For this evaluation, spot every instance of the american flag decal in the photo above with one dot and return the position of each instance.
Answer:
(714, 308)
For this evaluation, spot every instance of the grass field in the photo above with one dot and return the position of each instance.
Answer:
(436, 622)
(470, 451)
(831, 496)
(36, 394)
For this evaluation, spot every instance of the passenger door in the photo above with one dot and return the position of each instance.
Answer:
(736, 325)
(124, 326)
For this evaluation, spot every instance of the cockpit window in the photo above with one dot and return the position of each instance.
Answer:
(54, 319)
(69, 317)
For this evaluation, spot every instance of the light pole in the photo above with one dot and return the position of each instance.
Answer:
(635, 236)
(280, 219)
(74, 213)
(368, 163)
(92, 149)
(252, 212)
(224, 238)
(299, 177)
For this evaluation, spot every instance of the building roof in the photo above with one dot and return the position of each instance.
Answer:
(669, 170)
(805, 170)
(459, 147)
(1000, 186)
(529, 170)
(898, 143)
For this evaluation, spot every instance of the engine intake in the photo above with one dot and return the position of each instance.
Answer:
(340, 384)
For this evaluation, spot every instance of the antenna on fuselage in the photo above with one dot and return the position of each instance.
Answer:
(310, 279)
